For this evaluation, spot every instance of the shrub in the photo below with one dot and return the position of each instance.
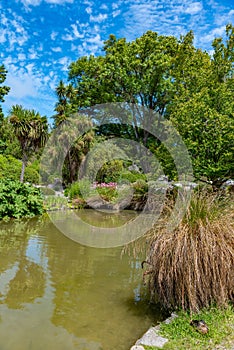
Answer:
(46, 191)
(192, 265)
(107, 191)
(52, 202)
(110, 171)
(131, 176)
(140, 186)
(31, 175)
(19, 200)
(78, 189)
(10, 168)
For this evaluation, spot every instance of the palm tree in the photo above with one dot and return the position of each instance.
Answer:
(30, 129)
(64, 107)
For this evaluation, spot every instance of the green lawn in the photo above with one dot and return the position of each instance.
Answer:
(183, 336)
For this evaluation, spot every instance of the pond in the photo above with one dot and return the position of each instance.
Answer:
(58, 294)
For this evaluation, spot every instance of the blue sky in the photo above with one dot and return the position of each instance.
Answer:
(40, 38)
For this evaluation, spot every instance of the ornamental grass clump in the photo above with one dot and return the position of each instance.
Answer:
(192, 265)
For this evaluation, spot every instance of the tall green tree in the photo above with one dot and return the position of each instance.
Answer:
(136, 72)
(202, 108)
(68, 145)
(9, 144)
(64, 107)
(31, 129)
(3, 89)
(174, 79)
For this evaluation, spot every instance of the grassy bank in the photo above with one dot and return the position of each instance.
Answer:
(182, 335)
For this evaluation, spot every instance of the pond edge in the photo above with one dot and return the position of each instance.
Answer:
(152, 337)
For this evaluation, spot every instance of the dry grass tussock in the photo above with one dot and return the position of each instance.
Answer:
(192, 266)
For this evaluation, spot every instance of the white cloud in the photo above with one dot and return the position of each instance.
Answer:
(53, 35)
(4, 20)
(99, 18)
(96, 40)
(194, 8)
(76, 32)
(30, 68)
(89, 10)
(22, 84)
(116, 13)
(21, 57)
(67, 37)
(65, 62)
(72, 34)
(32, 53)
(59, 2)
(56, 49)
(13, 31)
(224, 18)
(115, 6)
(104, 7)
(216, 32)
(3, 36)
(28, 3)
(9, 61)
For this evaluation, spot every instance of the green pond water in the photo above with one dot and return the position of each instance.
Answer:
(56, 294)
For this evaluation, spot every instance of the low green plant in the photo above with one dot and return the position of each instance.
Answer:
(78, 189)
(110, 171)
(109, 194)
(19, 200)
(52, 202)
(140, 186)
(10, 168)
(46, 191)
(131, 176)
(182, 336)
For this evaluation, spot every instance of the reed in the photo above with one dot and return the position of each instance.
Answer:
(192, 266)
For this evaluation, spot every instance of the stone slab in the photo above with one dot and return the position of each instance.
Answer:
(137, 347)
(151, 338)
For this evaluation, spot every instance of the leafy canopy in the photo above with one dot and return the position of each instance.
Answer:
(175, 79)
(3, 89)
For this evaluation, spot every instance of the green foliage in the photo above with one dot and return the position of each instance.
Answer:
(140, 186)
(9, 144)
(202, 109)
(52, 202)
(183, 336)
(31, 130)
(76, 133)
(31, 175)
(3, 89)
(19, 200)
(46, 191)
(78, 189)
(104, 163)
(203, 207)
(110, 171)
(207, 133)
(109, 194)
(171, 77)
(10, 168)
(131, 176)
(131, 72)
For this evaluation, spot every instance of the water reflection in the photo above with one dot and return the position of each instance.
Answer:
(57, 294)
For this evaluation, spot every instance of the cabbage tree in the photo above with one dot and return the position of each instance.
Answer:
(31, 129)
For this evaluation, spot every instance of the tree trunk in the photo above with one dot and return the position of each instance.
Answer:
(24, 163)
